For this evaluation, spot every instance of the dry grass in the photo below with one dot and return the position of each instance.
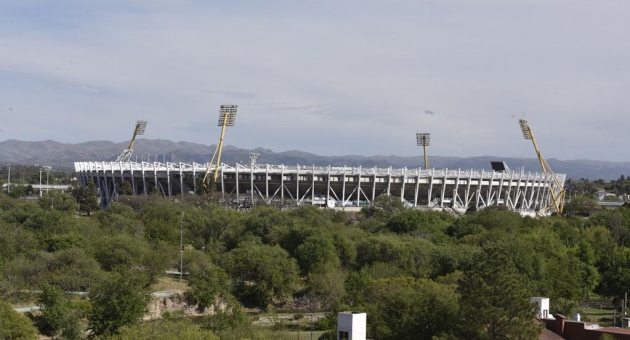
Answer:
(169, 283)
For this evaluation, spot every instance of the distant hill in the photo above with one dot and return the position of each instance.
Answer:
(61, 156)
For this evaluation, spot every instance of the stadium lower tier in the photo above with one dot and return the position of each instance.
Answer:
(243, 186)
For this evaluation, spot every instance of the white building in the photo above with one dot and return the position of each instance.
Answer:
(351, 326)
(542, 307)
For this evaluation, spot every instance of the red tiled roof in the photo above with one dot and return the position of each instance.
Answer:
(549, 335)
(614, 330)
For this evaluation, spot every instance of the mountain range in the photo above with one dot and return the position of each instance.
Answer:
(62, 156)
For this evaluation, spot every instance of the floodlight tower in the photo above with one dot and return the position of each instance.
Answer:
(424, 140)
(141, 125)
(253, 156)
(227, 117)
(557, 193)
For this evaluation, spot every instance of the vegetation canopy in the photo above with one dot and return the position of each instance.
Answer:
(418, 274)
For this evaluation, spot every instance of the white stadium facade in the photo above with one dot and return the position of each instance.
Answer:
(237, 185)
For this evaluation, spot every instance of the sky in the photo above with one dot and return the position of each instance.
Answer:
(328, 77)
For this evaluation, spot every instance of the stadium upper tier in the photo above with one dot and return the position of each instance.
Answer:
(247, 185)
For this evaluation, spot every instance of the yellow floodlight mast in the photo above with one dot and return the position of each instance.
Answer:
(557, 193)
(141, 126)
(227, 117)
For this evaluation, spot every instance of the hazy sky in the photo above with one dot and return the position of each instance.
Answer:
(328, 77)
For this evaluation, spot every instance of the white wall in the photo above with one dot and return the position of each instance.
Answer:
(542, 310)
(353, 323)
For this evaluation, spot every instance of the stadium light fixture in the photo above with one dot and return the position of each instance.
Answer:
(253, 156)
(227, 115)
(141, 126)
(527, 132)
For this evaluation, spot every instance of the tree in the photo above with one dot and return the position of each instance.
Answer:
(617, 221)
(119, 218)
(614, 267)
(430, 225)
(119, 301)
(162, 222)
(317, 250)
(504, 220)
(159, 256)
(125, 188)
(408, 255)
(121, 250)
(206, 281)
(495, 299)
(14, 326)
(86, 197)
(59, 318)
(327, 284)
(356, 285)
(165, 330)
(230, 318)
(26, 273)
(73, 270)
(15, 241)
(409, 309)
(262, 273)
(54, 200)
(268, 223)
(208, 225)
(447, 259)
(404, 222)
(384, 207)
(581, 206)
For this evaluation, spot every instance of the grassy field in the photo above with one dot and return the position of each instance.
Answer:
(603, 317)
(303, 335)
(284, 325)
(169, 283)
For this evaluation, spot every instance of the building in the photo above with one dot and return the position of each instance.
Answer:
(351, 326)
(542, 309)
(578, 330)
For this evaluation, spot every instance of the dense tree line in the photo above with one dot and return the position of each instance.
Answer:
(418, 274)
(589, 188)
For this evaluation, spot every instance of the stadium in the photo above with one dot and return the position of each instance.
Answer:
(348, 188)
(339, 187)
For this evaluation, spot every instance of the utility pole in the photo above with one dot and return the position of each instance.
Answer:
(181, 247)
(40, 182)
(9, 180)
